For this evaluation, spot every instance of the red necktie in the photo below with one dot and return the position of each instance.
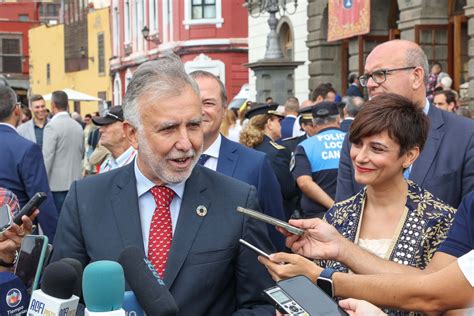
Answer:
(161, 230)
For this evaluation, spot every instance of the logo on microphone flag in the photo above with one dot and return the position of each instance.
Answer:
(13, 298)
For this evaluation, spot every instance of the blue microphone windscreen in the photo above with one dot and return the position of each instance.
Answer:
(14, 298)
(103, 286)
(131, 304)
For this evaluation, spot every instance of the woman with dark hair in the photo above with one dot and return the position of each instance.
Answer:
(260, 134)
(391, 217)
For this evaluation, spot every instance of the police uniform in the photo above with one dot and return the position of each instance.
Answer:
(318, 157)
(290, 143)
(279, 159)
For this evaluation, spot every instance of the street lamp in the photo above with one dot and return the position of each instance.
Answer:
(146, 35)
(83, 53)
(272, 7)
(146, 32)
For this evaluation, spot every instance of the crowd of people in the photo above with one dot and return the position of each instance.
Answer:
(381, 186)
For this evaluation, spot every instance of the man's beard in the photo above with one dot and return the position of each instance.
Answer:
(160, 167)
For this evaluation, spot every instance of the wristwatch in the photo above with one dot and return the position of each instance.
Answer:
(8, 264)
(325, 281)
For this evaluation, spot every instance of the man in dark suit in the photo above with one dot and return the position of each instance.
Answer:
(22, 168)
(353, 90)
(183, 216)
(291, 112)
(233, 159)
(446, 164)
(352, 106)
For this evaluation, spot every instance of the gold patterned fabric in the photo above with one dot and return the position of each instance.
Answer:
(426, 224)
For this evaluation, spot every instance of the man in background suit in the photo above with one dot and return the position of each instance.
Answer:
(352, 106)
(292, 107)
(446, 164)
(63, 148)
(163, 192)
(21, 163)
(233, 159)
(353, 90)
(34, 129)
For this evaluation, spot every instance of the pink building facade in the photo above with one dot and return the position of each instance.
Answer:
(207, 34)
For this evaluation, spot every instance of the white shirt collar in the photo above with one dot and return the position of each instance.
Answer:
(144, 184)
(9, 125)
(213, 150)
(125, 157)
(427, 107)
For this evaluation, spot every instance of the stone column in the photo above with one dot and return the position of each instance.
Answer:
(324, 57)
(416, 12)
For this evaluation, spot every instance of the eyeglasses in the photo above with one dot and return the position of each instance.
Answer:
(379, 76)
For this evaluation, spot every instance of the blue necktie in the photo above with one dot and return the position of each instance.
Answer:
(202, 160)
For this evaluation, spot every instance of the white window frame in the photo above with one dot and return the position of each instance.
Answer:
(127, 22)
(139, 16)
(117, 90)
(14, 36)
(153, 16)
(116, 28)
(188, 21)
(204, 62)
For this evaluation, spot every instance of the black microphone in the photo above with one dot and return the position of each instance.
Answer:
(149, 289)
(78, 267)
(56, 295)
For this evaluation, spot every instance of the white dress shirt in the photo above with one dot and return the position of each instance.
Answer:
(213, 152)
(146, 202)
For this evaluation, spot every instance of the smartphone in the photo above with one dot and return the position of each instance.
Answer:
(31, 259)
(5, 218)
(271, 220)
(257, 250)
(29, 208)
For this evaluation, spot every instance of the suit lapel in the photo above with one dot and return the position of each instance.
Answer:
(189, 222)
(227, 157)
(427, 156)
(125, 208)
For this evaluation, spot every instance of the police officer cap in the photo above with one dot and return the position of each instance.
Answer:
(324, 109)
(263, 108)
(305, 114)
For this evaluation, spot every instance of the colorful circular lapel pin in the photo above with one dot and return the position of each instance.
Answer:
(201, 210)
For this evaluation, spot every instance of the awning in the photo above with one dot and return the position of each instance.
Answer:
(74, 95)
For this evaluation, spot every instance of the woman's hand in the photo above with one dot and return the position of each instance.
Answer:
(360, 308)
(284, 265)
(10, 240)
(320, 240)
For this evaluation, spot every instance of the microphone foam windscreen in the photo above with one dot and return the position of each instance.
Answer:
(59, 279)
(103, 285)
(145, 282)
(78, 267)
